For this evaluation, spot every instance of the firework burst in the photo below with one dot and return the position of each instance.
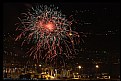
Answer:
(49, 31)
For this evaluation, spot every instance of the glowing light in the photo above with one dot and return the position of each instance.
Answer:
(49, 32)
(97, 66)
(70, 34)
(50, 26)
(79, 67)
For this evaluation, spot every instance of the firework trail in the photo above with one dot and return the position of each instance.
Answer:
(49, 31)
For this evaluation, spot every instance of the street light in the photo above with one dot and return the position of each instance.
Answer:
(79, 67)
(97, 66)
(40, 65)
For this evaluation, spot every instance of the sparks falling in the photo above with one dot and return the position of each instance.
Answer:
(49, 31)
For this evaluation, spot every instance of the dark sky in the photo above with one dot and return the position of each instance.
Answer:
(96, 18)
(105, 13)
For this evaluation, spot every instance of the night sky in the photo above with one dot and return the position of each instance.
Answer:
(98, 24)
(101, 20)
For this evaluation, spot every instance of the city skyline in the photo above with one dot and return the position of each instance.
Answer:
(97, 54)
